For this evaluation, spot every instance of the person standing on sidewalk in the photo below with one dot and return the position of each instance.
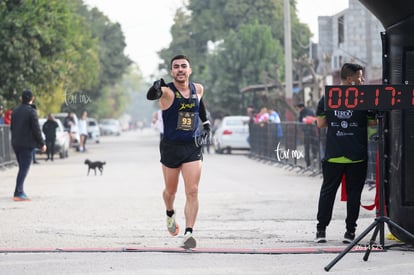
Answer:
(49, 129)
(346, 156)
(306, 116)
(181, 104)
(26, 135)
(83, 131)
(68, 123)
(1, 115)
(157, 122)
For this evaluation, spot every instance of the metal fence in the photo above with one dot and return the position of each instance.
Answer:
(291, 144)
(7, 156)
(297, 146)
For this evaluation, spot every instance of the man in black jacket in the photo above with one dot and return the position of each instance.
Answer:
(26, 135)
(49, 129)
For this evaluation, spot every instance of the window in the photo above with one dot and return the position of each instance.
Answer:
(341, 30)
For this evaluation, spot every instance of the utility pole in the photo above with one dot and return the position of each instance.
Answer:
(288, 58)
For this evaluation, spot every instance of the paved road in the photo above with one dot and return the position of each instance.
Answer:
(254, 218)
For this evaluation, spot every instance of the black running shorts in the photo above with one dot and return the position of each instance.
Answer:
(173, 154)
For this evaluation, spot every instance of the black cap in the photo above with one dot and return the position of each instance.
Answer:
(27, 95)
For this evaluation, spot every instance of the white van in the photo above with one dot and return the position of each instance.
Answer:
(73, 129)
(93, 130)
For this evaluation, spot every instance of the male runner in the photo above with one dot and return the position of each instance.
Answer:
(181, 105)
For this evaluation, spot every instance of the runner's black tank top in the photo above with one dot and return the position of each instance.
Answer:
(181, 118)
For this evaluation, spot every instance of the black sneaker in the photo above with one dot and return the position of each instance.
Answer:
(348, 237)
(320, 237)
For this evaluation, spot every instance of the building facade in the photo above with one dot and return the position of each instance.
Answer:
(352, 35)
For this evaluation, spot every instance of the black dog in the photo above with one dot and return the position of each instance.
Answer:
(95, 164)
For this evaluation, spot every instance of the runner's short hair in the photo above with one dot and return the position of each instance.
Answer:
(180, 56)
(350, 69)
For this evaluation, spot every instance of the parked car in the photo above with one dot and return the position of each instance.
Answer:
(62, 139)
(232, 134)
(94, 133)
(74, 129)
(110, 126)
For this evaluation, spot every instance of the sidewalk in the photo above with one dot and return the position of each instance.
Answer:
(254, 218)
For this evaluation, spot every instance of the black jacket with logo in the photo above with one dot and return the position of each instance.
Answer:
(347, 132)
(25, 129)
(49, 129)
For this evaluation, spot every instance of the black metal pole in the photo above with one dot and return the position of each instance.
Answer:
(380, 118)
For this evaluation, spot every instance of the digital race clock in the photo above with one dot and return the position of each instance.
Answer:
(369, 97)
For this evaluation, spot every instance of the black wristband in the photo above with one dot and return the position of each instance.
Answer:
(202, 111)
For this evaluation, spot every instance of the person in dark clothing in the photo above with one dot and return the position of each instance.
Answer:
(49, 129)
(304, 111)
(309, 132)
(346, 156)
(26, 135)
(68, 122)
(1, 115)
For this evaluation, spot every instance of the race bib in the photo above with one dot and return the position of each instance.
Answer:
(186, 121)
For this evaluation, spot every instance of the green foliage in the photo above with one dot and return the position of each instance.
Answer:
(111, 66)
(61, 50)
(26, 45)
(40, 43)
(248, 36)
(121, 97)
(111, 40)
(244, 58)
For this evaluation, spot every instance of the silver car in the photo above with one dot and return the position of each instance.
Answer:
(74, 131)
(62, 139)
(110, 126)
(232, 133)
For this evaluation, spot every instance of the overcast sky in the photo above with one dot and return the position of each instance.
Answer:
(146, 26)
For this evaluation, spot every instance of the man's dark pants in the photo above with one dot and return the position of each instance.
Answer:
(332, 176)
(24, 159)
(50, 144)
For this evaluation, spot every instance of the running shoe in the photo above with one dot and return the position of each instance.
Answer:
(320, 237)
(172, 226)
(348, 237)
(189, 241)
(22, 197)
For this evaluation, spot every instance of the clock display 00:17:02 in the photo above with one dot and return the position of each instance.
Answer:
(369, 97)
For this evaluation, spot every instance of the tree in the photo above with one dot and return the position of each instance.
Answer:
(61, 50)
(112, 63)
(214, 22)
(40, 44)
(244, 57)
(121, 97)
